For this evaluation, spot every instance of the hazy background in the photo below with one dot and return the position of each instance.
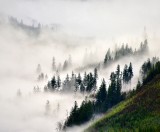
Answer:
(94, 25)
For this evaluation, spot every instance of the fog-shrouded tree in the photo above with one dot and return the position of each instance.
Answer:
(59, 68)
(90, 82)
(19, 93)
(65, 65)
(39, 69)
(79, 79)
(82, 88)
(95, 73)
(66, 83)
(130, 72)
(108, 58)
(125, 74)
(58, 82)
(53, 64)
(53, 83)
(115, 87)
(41, 77)
(145, 68)
(85, 79)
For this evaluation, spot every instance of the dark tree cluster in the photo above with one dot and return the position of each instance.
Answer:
(146, 67)
(149, 70)
(69, 84)
(77, 83)
(67, 63)
(101, 98)
(42, 77)
(104, 100)
(30, 29)
(59, 67)
(143, 47)
(127, 73)
(54, 84)
(108, 58)
(124, 51)
(152, 72)
(80, 115)
(36, 89)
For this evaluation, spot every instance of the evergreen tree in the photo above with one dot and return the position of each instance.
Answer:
(73, 115)
(59, 67)
(125, 74)
(95, 78)
(112, 90)
(130, 72)
(82, 88)
(118, 84)
(58, 82)
(66, 84)
(138, 86)
(107, 58)
(67, 78)
(72, 75)
(102, 93)
(95, 73)
(101, 98)
(65, 65)
(53, 83)
(90, 82)
(79, 79)
(118, 72)
(76, 84)
(145, 68)
(85, 79)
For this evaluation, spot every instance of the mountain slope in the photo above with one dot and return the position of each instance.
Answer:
(139, 113)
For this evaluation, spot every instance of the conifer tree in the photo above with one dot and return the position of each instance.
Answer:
(53, 83)
(82, 88)
(118, 84)
(79, 79)
(125, 74)
(58, 82)
(130, 72)
(101, 98)
(112, 90)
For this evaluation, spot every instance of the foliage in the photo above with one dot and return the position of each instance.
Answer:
(123, 51)
(139, 113)
(80, 115)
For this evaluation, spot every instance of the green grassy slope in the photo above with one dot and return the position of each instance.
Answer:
(139, 113)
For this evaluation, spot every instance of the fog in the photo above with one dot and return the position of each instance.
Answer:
(82, 27)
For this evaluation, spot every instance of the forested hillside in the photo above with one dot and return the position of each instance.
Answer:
(140, 112)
